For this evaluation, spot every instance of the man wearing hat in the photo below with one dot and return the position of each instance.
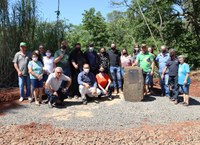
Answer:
(20, 61)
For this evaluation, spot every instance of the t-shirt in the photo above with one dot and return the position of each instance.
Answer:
(183, 69)
(102, 80)
(162, 60)
(22, 61)
(37, 68)
(145, 61)
(64, 61)
(48, 64)
(172, 65)
(114, 57)
(56, 83)
(126, 60)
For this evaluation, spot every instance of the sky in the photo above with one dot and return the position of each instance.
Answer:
(72, 9)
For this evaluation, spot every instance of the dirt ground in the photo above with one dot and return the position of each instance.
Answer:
(174, 133)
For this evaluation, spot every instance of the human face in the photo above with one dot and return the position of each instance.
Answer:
(41, 49)
(35, 58)
(58, 73)
(86, 68)
(181, 60)
(23, 48)
(144, 49)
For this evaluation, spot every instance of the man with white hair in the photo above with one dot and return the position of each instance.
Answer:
(161, 61)
(53, 87)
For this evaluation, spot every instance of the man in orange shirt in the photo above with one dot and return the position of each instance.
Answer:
(104, 82)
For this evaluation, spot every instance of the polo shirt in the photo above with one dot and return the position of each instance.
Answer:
(162, 60)
(56, 83)
(114, 57)
(64, 61)
(145, 60)
(183, 69)
(87, 78)
(172, 65)
(22, 61)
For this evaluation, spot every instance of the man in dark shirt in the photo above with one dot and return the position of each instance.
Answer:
(115, 68)
(77, 59)
(87, 84)
(92, 59)
(172, 66)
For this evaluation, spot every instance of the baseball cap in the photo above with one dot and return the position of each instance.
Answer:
(23, 44)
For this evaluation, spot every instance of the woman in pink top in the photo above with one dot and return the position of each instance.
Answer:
(126, 60)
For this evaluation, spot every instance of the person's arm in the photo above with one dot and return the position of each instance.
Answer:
(187, 75)
(136, 61)
(17, 69)
(66, 78)
(163, 73)
(108, 85)
(80, 82)
(57, 57)
(152, 65)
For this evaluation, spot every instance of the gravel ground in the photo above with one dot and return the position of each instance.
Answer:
(107, 115)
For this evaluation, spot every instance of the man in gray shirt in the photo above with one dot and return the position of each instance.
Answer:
(20, 61)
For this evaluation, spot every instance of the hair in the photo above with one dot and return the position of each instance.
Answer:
(77, 44)
(34, 53)
(86, 64)
(172, 50)
(136, 45)
(126, 50)
(58, 68)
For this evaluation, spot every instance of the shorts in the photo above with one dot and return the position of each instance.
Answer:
(184, 89)
(36, 83)
(147, 78)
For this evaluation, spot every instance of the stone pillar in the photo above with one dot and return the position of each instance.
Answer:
(133, 84)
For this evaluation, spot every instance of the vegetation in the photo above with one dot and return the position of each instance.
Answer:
(175, 23)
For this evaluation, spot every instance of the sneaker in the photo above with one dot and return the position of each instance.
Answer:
(110, 98)
(30, 99)
(76, 97)
(84, 102)
(21, 99)
(120, 91)
(96, 101)
(50, 105)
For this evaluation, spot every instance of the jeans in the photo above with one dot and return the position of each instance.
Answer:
(116, 76)
(24, 80)
(53, 99)
(173, 81)
(164, 83)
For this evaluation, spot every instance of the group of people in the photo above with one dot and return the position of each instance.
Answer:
(95, 74)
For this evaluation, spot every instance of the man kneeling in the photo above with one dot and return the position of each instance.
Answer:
(53, 87)
(87, 84)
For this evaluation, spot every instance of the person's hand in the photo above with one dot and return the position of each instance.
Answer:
(152, 73)
(55, 94)
(19, 73)
(105, 92)
(76, 66)
(61, 56)
(185, 82)
(87, 85)
(162, 77)
(40, 77)
(94, 92)
(64, 90)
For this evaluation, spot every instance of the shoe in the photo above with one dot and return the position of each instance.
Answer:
(172, 99)
(175, 102)
(50, 105)
(96, 101)
(30, 99)
(84, 102)
(76, 97)
(110, 98)
(115, 91)
(21, 99)
(69, 97)
(120, 91)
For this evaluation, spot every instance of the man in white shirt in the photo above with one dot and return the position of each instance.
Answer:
(53, 87)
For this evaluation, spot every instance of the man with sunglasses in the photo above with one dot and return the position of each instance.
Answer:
(53, 88)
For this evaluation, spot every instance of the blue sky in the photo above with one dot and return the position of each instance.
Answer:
(72, 9)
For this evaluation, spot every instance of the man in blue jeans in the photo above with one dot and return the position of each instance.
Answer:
(20, 61)
(172, 64)
(161, 61)
(115, 68)
(53, 89)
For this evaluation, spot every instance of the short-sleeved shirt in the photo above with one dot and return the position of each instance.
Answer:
(87, 78)
(145, 61)
(56, 83)
(114, 57)
(102, 80)
(36, 67)
(162, 60)
(172, 65)
(64, 61)
(126, 60)
(183, 69)
(22, 61)
(48, 64)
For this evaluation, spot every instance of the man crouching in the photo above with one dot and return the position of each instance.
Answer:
(53, 87)
(87, 84)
